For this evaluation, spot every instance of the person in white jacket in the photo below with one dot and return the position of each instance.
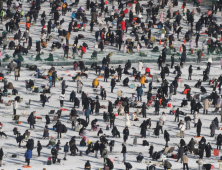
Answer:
(140, 67)
(15, 106)
(196, 117)
(61, 98)
(163, 117)
(120, 110)
(127, 120)
(182, 129)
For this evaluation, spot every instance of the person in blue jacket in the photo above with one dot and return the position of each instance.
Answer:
(73, 15)
(139, 93)
(28, 156)
(87, 113)
(50, 81)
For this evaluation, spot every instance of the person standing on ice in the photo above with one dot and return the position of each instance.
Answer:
(199, 125)
(28, 156)
(1, 156)
(124, 152)
(125, 134)
(190, 70)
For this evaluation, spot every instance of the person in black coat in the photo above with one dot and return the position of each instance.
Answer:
(201, 149)
(162, 74)
(31, 120)
(166, 137)
(113, 83)
(54, 153)
(96, 147)
(190, 70)
(193, 106)
(115, 132)
(110, 107)
(76, 102)
(39, 148)
(106, 76)
(103, 94)
(180, 153)
(144, 110)
(197, 39)
(124, 152)
(59, 129)
(125, 134)
(199, 125)
(73, 149)
(44, 98)
(177, 114)
(126, 81)
(219, 141)
(151, 150)
(97, 107)
(208, 150)
(112, 120)
(72, 96)
(157, 130)
(119, 72)
(143, 127)
(157, 107)
(84, 96)
(128, 65)
(1, 156)
(172, 61)
(87, 165)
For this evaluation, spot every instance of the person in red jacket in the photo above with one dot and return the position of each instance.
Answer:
(122, 25)
(148, 71)
(83, 51)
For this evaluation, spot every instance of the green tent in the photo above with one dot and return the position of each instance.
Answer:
(38, 58)
(142, 54)
(50, 58)
(7, 57)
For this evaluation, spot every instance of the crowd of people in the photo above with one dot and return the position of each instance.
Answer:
(156, 92)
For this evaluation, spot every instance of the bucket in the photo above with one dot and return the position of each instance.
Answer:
(27, 25)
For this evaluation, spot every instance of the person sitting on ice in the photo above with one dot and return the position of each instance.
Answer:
(184, 103)
(140, 157)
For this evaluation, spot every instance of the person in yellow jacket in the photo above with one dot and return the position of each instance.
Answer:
(67, 38)
(142, 81)
(95, 83)
(2, 14)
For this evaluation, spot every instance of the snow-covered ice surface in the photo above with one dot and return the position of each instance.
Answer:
(11, 147)
(35, 33)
